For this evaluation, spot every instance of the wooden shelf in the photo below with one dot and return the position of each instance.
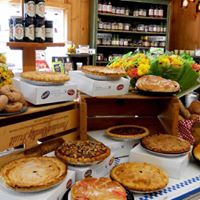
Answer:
(132, 17)
(132, 32)
(102, 62)
(119, 47)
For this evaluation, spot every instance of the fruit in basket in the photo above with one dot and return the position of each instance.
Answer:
(2, 58)
(196, 152)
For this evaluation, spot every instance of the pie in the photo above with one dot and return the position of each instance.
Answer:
(164, 143)
(127, 132)
(52, 77)
(151, 83)
(97, 189)
(82, 152)
(141, 177)
(33, 173)
(103, 71)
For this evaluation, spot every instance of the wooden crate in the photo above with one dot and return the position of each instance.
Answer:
(158, 114)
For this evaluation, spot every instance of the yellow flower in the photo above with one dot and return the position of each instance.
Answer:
(143, 69)
(164, 60)
(176, 60)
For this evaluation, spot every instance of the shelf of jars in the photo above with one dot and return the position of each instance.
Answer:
(127, 47)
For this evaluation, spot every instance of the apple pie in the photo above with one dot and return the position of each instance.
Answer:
(97, 189)
(151, 83)
(166, 144)
(127, 132)
(140, 177)
(52, 77)
(33, 173)
(82, 152)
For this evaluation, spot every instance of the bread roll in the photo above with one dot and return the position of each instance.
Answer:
(194, 107)
(184, 111)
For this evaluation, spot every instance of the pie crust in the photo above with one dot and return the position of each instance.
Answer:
(33, 173)
(166, 144)
(98, 189)
(153, 83)
(140, 177)
(103, 71)
(52, 77)
(82, 152)
(127, 132)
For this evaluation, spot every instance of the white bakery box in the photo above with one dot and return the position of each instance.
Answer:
(39, 95)
(119, 148)
(98, 87)
(55, 193)
(174, 166)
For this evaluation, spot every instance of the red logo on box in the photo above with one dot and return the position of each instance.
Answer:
(88, 173)
(69, 183)
(111, 161)
(70, 92)
(120, 87)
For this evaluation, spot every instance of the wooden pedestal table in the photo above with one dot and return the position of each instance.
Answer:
(29, 49)
(158, 114)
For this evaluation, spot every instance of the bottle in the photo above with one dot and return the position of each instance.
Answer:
(109, 7)
(11, 28)
(40, 30)
(29, 35)
(104, 7)
(150, 11)
(155, 11)
(160, 12)
(29, 8)
(48, 31)
(40, 9)
(18, 29)
(100, 6)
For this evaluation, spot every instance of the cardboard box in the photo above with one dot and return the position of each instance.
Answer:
(39, 95)
(120, 160)
(174, 166)
(99, 170)
(119, 148)
(99, 88)
(56, 193)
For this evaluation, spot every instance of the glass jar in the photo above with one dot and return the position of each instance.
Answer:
(127, 26)
(100, 25)
(109, 25)
(144, 12)
(113, 9)
(120, 26)
(154, 28)
(121, 42)
(127, 11)
(118, 10)
(140, 27)
(150, 28)
(140, 12)
(125, 42)
(122, 11)
(146, 28)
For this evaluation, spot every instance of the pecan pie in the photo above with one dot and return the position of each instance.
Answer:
(141, 177)
(153, 83)
(33, 174)
(103, 71)
(127, 132)
(97, 189)
(164, 143)
(82, 152)
(52, 77)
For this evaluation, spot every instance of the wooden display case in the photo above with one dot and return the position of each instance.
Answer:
(158, 114)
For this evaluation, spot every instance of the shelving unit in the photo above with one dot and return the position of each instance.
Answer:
(132, 34)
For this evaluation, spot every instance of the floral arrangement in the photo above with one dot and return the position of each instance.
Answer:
(6, 75)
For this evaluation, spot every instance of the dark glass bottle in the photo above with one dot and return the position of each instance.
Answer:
(11, 28)
(18, 29)
(48, 31)
(40, 8)
(39, 30)
(29, 8)
(29, 35)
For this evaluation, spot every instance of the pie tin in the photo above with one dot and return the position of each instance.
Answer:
(101, 78)
(151, 93)
(41, 83)
(24, 109)
(84, 164)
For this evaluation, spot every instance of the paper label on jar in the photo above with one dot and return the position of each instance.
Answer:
(29, 32)
(160, 13)
(40, 9)
(30, 8)
(100, 7)
(104, 8)
(40, 32)
(109, 8)
(49, 32)
(19, 31)
(150, 12)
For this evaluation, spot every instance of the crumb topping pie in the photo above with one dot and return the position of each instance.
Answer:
(165, 143)
(82, 152)
(153, 83)
(52, 77)
(34, 173)
(141, 177)
(127, 132)
(97, 189)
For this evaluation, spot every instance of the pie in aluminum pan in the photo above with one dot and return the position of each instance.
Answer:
(127, 132)
(166, 144)
(140, 177)
(98, 189)
(52, 77)
(103, 71)
(82, 152)
(151, 83)
(33, 173)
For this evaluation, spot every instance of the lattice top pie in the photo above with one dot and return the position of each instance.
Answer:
(33, 174)
(153, 83)
(98, 189)
(83, 152)
(164, 143)
(141, 177)
(53, 77)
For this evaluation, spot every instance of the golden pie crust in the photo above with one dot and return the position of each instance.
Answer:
(82, 152)
(52, 77)
(164, 143)
(34, 173)
(98, 189)
(127, 132)
(141, 177)
(153, 83)
(103, 71)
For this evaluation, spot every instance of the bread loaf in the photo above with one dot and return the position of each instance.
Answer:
(194, 107)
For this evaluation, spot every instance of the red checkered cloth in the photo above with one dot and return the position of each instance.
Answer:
(185, 130)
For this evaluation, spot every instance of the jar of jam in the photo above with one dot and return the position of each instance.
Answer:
(18, 30)
(29, 35)
(40, 30)
(48, 31)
